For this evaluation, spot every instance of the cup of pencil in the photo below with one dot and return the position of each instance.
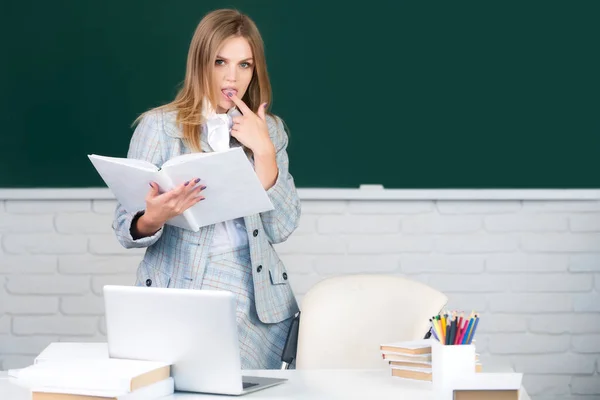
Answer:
(453, 328)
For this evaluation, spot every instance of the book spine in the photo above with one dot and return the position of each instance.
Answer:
(189, 217)
(164, 181)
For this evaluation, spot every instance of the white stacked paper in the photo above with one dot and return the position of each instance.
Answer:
(73, 350)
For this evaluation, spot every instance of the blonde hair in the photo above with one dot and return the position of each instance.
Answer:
(216, 27)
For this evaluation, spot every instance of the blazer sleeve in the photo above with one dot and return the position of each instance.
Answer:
(146, 144)
(280, 222)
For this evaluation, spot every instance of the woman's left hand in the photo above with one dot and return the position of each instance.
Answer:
(251, 129)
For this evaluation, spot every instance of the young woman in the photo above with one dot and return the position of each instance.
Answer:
(223, 103)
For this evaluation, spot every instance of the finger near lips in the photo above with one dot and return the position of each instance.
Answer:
(243, 107)
(238, 102)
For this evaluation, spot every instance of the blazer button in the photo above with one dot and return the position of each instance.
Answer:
(255, 233)
(284, 276)
(148, 282)
(259, 268)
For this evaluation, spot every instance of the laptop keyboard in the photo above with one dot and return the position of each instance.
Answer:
(247, 385)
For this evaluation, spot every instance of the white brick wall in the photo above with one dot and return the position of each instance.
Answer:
(531, 268)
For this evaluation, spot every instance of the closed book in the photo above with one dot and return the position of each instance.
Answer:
(156, 390)
(421, 374)
(109, 375)
(408, 347)
(399, 365)
(424, 357)
(407, 357)
(488, 386)
(414, 364)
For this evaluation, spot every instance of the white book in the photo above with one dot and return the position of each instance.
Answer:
(406, 356)
(233, 189)
(391, 355)
(413, 363)
(156, 390)
(410, 344)
(488, 381)
(416, 369)
(70, 350)
(108, 375)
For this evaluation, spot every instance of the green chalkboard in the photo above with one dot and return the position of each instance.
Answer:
(408, 94)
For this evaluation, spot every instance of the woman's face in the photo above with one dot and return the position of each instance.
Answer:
(233, 70)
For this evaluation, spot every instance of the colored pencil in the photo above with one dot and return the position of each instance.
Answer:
(453, 327)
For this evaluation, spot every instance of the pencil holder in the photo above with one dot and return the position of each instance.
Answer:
(449, 362)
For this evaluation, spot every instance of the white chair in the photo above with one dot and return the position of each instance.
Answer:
(344, 319)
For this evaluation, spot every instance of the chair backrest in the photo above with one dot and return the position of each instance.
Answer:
(345, 319)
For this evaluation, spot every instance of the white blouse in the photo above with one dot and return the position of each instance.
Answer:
(232, 233)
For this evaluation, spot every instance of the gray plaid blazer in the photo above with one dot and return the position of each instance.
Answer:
(176, 257)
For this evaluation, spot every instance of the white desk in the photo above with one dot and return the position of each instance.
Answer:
(303, 384)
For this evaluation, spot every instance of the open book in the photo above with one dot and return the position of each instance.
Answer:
(232, 188)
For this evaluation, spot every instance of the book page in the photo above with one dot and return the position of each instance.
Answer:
(232, 188)
(183, 158)
(184, 220)
(128, 181)
(132, 162)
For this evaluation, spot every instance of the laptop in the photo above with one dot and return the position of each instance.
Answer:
(194, 330)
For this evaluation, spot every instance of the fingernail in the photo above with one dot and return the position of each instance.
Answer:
(265, 106)
(229, 94)
(204, 198)
(202, 187)
(197, 180)
(150, 183)
(187, 183)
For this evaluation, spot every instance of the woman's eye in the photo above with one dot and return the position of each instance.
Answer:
(246, 65)
(219, 62)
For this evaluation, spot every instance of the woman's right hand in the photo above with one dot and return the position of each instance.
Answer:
(160, 207)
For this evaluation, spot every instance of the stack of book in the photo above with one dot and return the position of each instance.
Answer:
(412, 359)
(83, 371)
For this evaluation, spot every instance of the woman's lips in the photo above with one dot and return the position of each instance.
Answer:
(229, 92)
